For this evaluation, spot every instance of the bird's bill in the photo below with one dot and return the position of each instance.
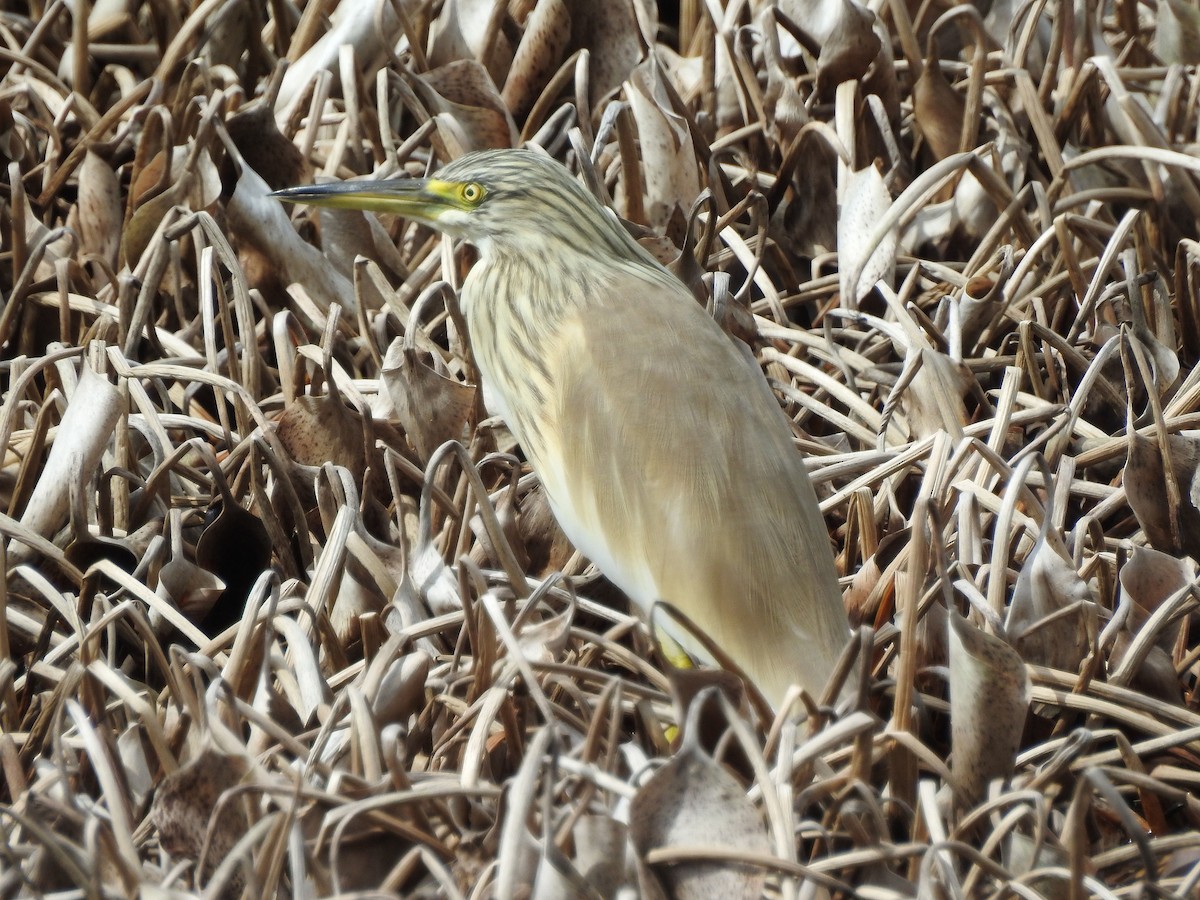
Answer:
(416, 198)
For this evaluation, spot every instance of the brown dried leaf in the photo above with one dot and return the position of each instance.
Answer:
(1022, 855)
(544, 642)
(141, 227)
(461, 32)
(1049, 585)
(670, 173)
(192, 589)
(401, 688)
(232, 32)
(93, 410)
(989, 698)
(543, 47)
(1147, 581)
(865, 200)
(782, 103)
(263, 147)
(506, 512)
(938, 111)
(934, 401)
(693, 801)
(260, 220)
(186, 803)
(850, 47)
(99, 209)
(468, 109)
(316, 430)
(370, 28)
(541, 536)
(236, 548)
(433, 408)
(1146, 489)
(197, 188)
(609, 31)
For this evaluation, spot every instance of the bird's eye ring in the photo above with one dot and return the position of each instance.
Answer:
(472, 193)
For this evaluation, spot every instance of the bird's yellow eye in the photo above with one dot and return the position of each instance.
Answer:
(472, 193)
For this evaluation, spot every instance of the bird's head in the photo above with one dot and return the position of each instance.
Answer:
(499, 200)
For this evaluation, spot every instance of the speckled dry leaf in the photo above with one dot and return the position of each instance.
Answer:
(1146, 489)
(542, 49)
(600, 853)
(467, 107)
(316, 430)
(693, 801)
(989, 698)
(865, 200)
(99, 208)
(1048, 584)
(186, 802)
(609, 31)
(670, 173)
(87, 426)
(433, 408)
(1177, 32)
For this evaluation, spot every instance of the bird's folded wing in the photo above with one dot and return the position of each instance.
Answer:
(675, 472)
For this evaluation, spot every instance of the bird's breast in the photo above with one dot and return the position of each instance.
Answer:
(519, 330)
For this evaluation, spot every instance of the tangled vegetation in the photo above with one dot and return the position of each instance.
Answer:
(281, 612)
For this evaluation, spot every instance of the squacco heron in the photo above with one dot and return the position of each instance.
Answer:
(665, 456)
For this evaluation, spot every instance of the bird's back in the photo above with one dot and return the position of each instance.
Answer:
(669, 463)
